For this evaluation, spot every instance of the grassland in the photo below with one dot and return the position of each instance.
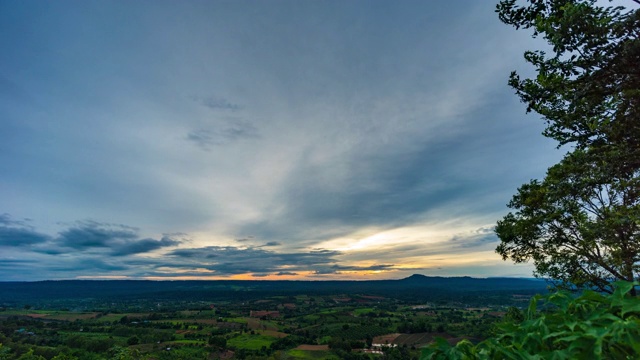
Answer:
(251, 342)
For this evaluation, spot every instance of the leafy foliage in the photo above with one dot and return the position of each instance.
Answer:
(4, 352)
(63, 356)
(358, 332)
(580, 225)
(592, 326)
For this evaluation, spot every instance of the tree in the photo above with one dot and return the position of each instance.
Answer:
(514, 315)
(63, 356)
(4, 352)
(134, 340)
(120, 353)
(218, 341)
(29, 355)
(580, 224)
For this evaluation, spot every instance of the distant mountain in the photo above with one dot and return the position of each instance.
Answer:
(467, 283)
(414, 287)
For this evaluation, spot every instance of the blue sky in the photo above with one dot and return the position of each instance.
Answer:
(260, 139)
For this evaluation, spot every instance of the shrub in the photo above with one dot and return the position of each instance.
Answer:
(591, 326)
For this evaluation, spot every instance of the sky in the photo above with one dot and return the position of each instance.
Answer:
(309, 140)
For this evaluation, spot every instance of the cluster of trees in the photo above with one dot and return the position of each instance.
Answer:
(410, 327)
(580, 225)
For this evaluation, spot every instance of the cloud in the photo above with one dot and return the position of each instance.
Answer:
(325, 272)
(413, 176)
(260, 275)
(286, 273)
(230, 130)
(100, 238)
(91, 234)
(272, 243)
(91, 248)
(41, 266)
(17, 233)
(230, 260)
(386, 187)
(225, 130)
(188, 253)
(5, 220)
(87, 265)
(217, 103)
(479, 237)
(13, 263)
(144, 245)
(337, 269)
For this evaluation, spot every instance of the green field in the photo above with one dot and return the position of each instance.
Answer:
(304, 354)
(251, 342)
(239, 320)
(363, 311)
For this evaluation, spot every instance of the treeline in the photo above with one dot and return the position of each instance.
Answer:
(121, 291)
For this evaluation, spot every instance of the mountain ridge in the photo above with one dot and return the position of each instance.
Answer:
(415, 286)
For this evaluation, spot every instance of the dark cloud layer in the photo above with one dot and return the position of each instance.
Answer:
(272, 243)
(91, 234)
(17, 236)
(118, 240)
(82, 237)
(230, 260)
(337, 269)
(145, 245)
(14, 263)
(17, 233)
(96, 266)
(286, 273)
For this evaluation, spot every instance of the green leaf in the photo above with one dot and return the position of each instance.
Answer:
(622, 288)
(630, 305)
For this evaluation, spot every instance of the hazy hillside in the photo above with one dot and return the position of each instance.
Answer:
(413, 286)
